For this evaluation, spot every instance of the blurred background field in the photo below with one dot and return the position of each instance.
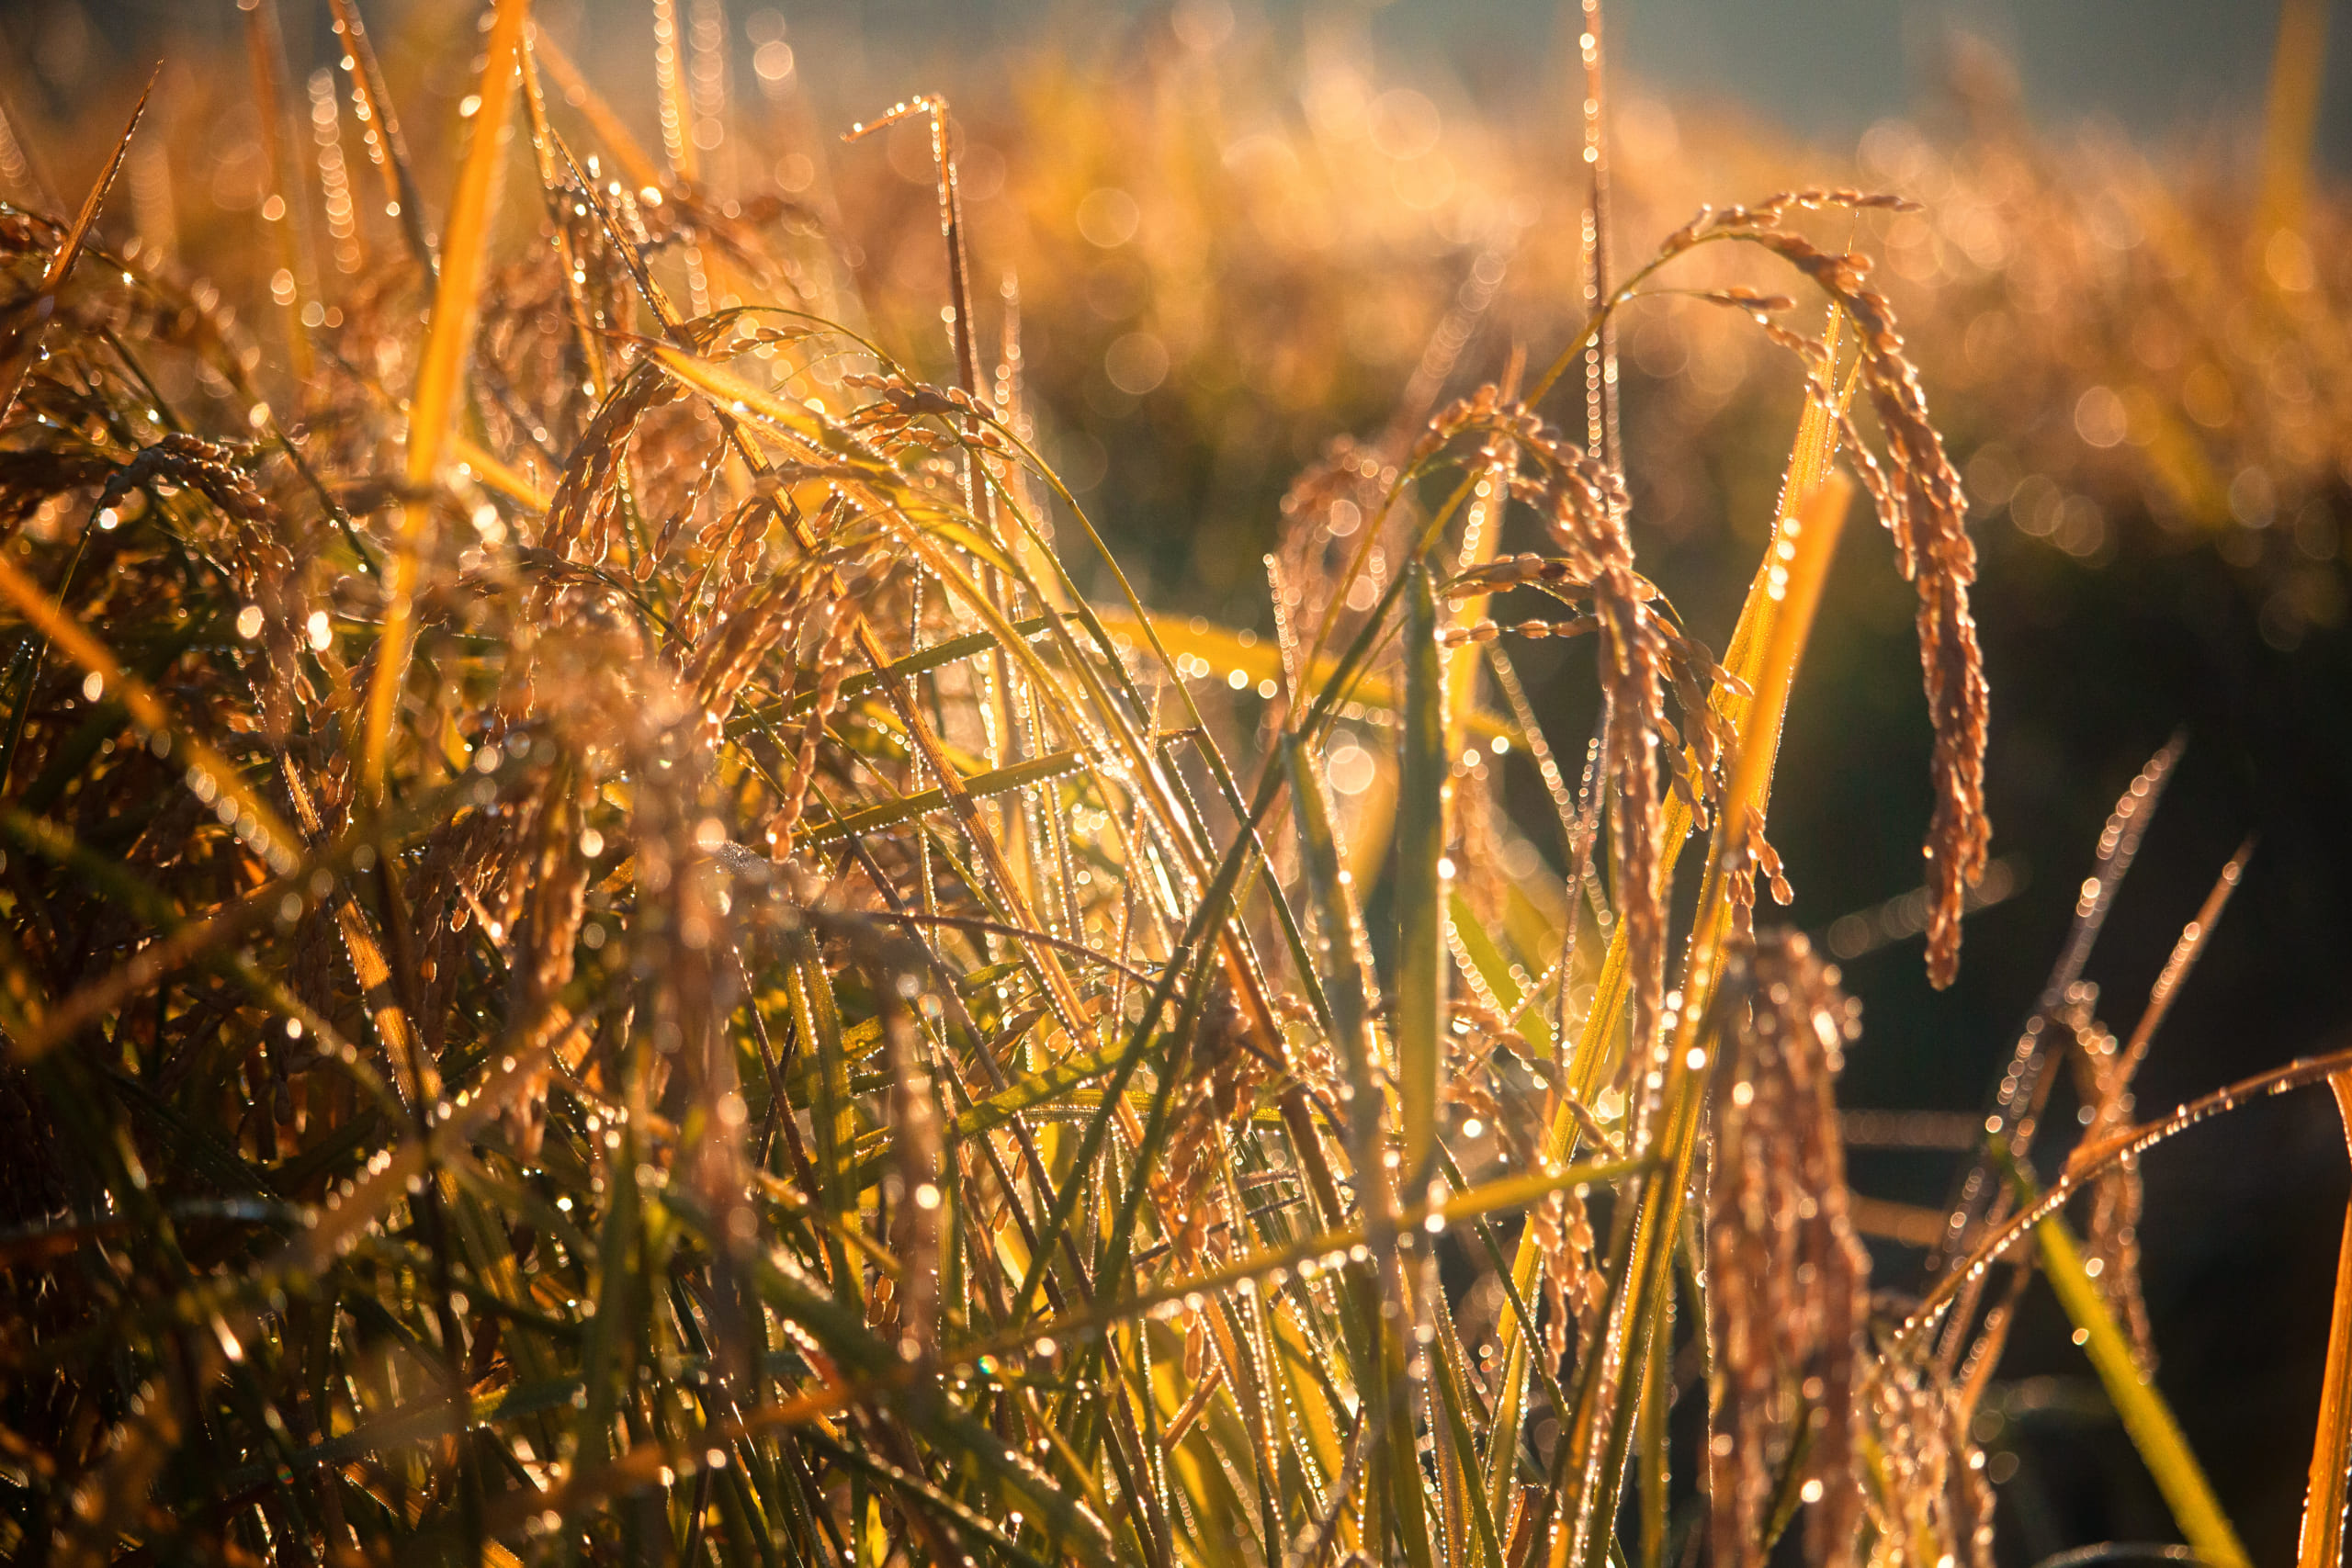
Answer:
(1242, 232)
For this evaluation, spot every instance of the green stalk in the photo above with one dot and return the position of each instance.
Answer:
(2147, 1416)
(1421, 881)
(1657, 1390)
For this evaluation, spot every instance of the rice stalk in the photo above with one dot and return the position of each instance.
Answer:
(1808, 470)
(1597, 1445)
(2145, 1416)
(28, 320)
(1421, 842)
(441, 369)
(2321, 1539)
(379, 128)
(797, 1035)
(265, 44)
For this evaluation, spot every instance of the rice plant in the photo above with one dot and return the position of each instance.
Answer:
(607, 959)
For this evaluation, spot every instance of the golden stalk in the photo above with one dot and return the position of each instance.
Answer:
(440, 374)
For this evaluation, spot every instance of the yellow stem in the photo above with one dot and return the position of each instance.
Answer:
(2297, 63)
(1794, 574)
(1810, 459)
(2323, 1535)
(440, 376)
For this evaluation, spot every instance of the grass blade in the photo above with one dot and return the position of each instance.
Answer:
(981, 786)
(441, 367)
(2147, 1416)
(644, 172)
(1223, 652)
(2322, 1543)
(382, 131)
(1058, 1182)
(265, 44)
(208, 769)
(29, 321)
(1420, 883)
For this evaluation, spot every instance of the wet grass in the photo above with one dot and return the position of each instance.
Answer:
(605, 958)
